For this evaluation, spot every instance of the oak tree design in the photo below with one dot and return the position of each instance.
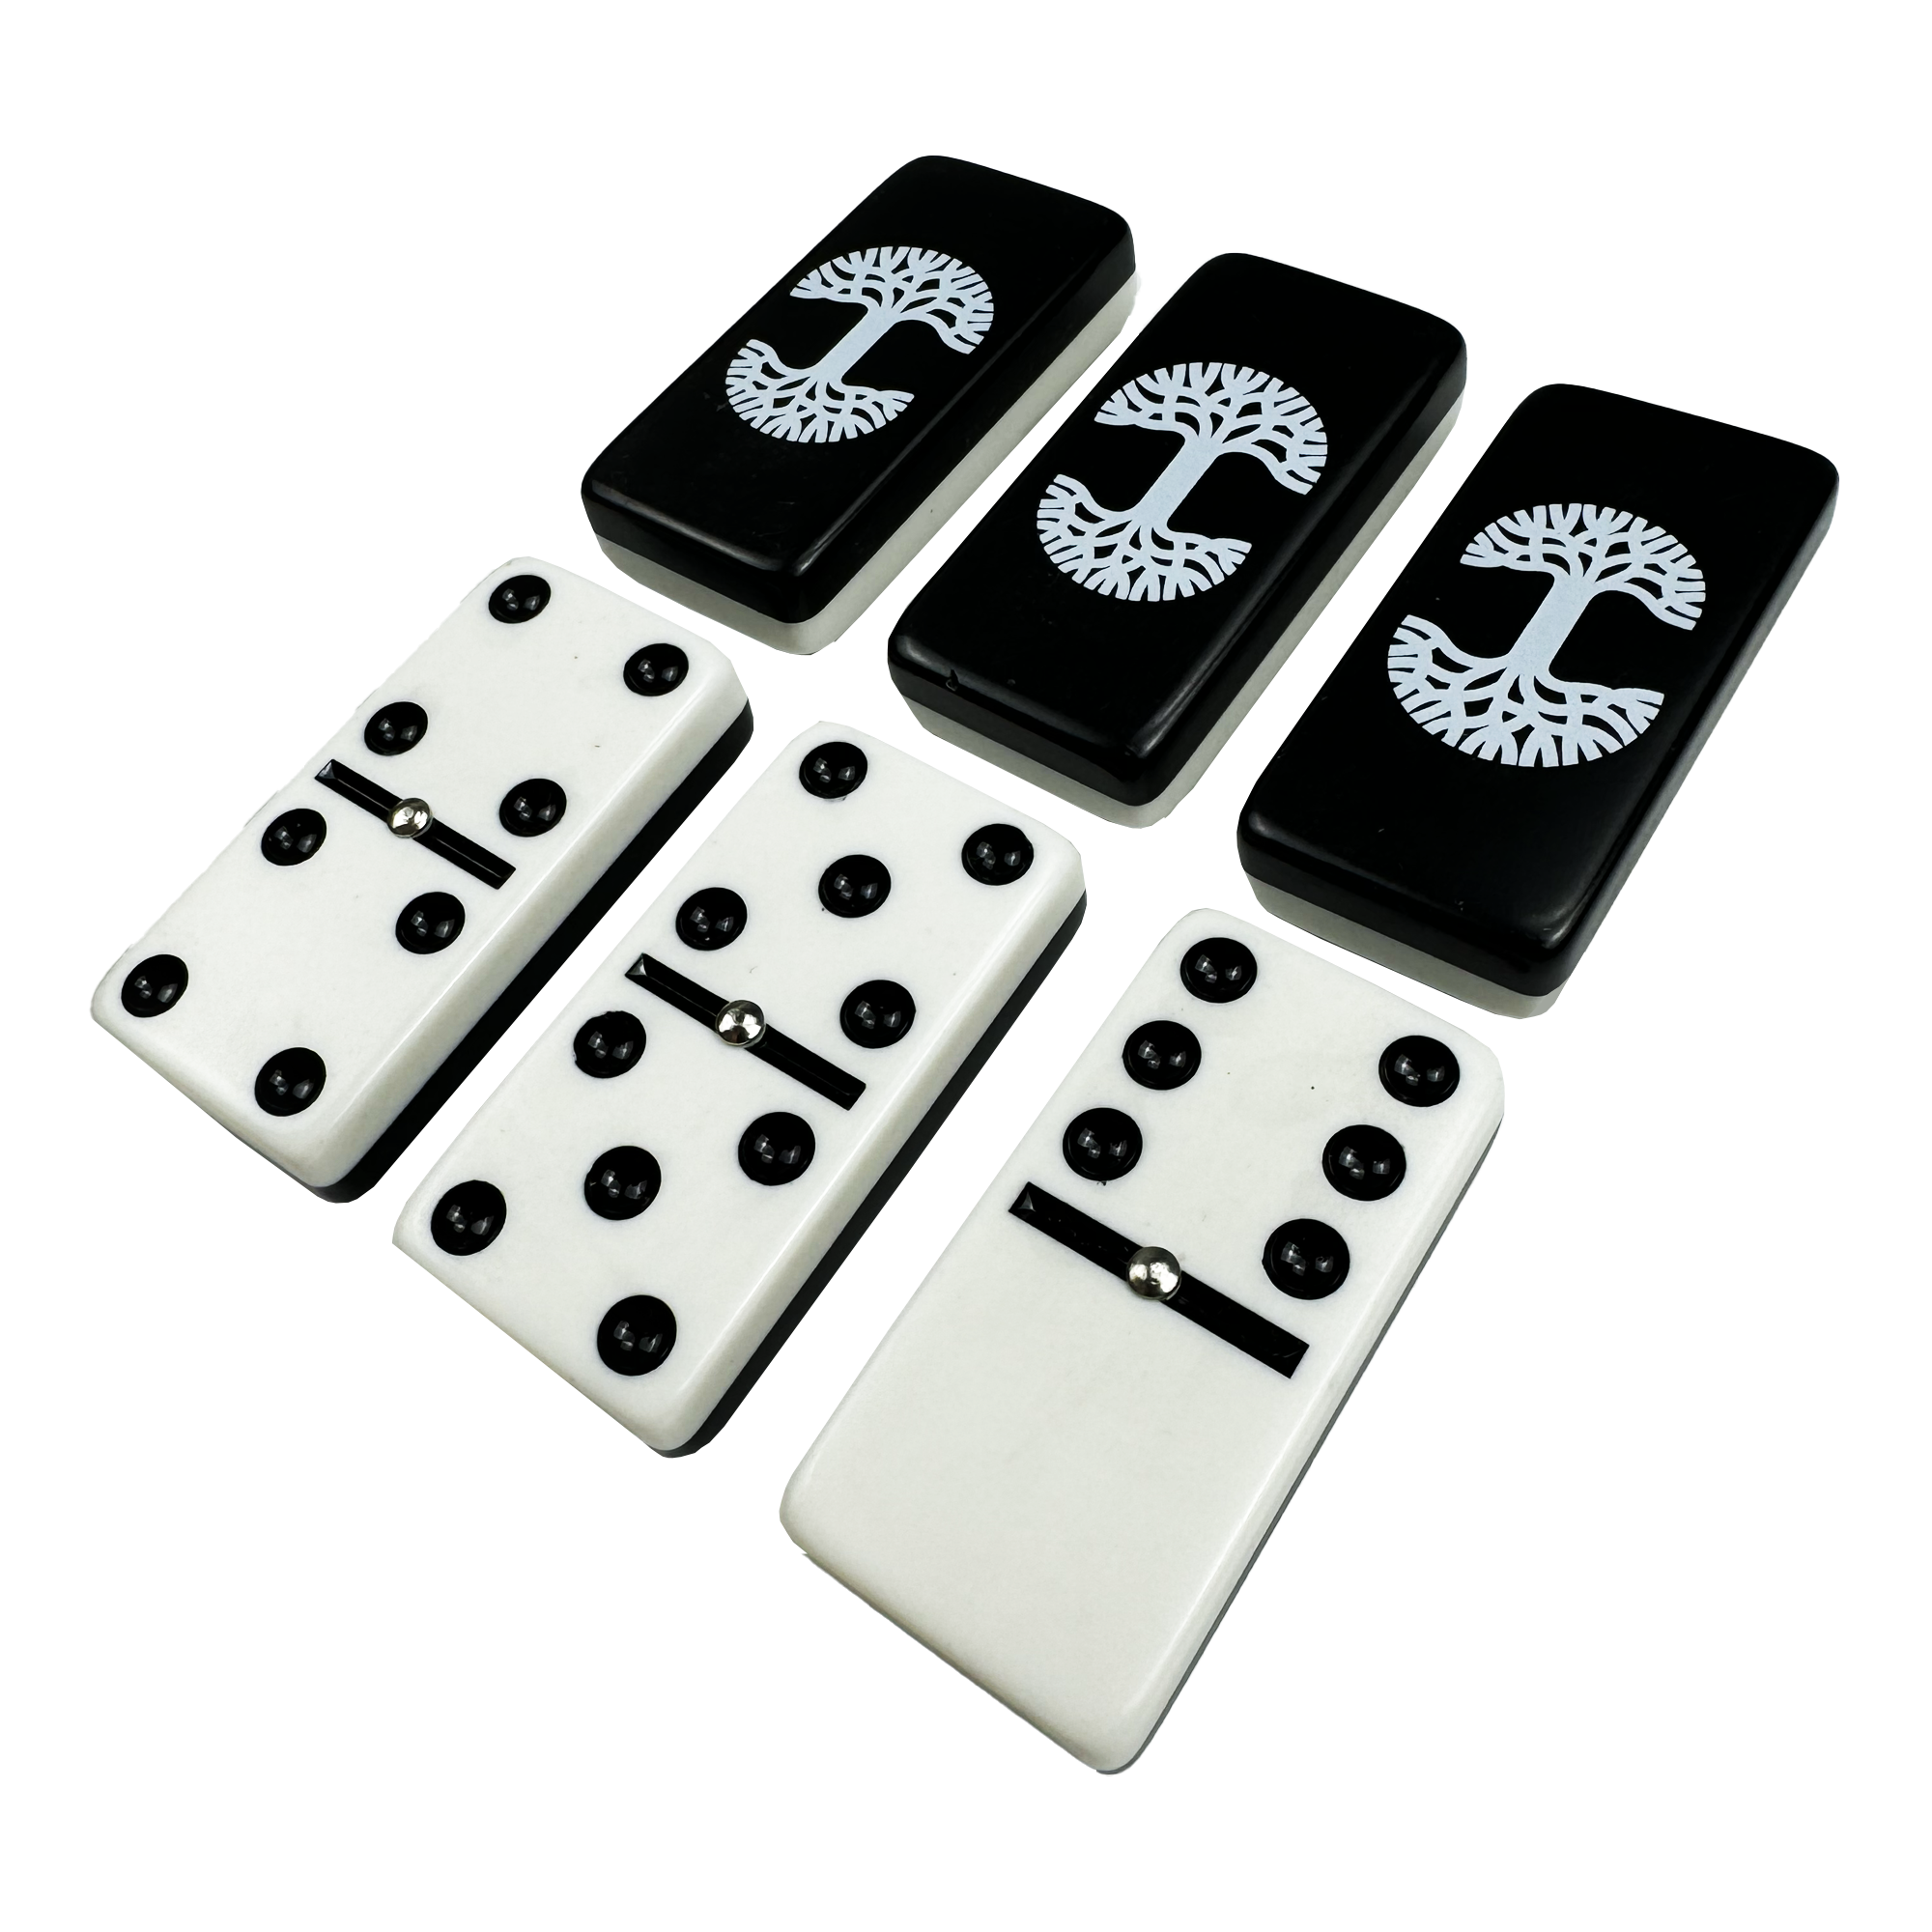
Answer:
(1513, 709)
(892, 285)
(1217, 410)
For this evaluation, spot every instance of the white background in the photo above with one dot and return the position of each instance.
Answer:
(324, 1604)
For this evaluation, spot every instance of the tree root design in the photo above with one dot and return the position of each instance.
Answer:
(1511, 716)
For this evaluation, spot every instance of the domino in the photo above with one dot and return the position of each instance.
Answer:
(325, 984)
(656, 1195)
(1114, 615)
(1064, 1457)
(803, 460)
(1470, 790)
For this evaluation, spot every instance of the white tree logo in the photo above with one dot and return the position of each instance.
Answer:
(1216, 410)
(1510, 708)
(892, 285)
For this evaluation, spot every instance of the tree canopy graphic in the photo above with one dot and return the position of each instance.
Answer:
(1217, 410)
(892, 285)
(1514, 709)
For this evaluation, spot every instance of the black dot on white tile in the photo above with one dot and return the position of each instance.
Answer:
(1306, 1259)
(1364, 1163)
(611, 1045)
(290, 1080)
(1419, 1072)
(854, 886)
(430, 922)
(531, 807)
(878, 1013)
(519, 599)
(396, 728)
(710, 918)
(154, 985)
(1162, 1055)
(833, 770)
(656, 669)
(468, 1218)
(622, 1182)
(996, 855)
(774, 1148)
(293, 835)
(636, 1335)
(1102, 1144)
(1217, 970)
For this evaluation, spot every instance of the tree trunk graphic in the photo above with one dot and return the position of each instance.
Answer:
(1216, 410)
(892, 285)
(1513, 709)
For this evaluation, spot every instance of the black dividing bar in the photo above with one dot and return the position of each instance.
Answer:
(465, 852)
(357, 790)
(675, 989)
(773, 1048)
(439, 839)
(1205, 1307)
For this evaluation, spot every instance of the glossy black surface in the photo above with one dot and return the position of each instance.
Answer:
(784, 525)
(1113, 672)
(1505, 870)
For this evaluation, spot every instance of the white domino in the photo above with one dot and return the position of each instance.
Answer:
(1064, 1456)
(653, 1197)
(326, 983)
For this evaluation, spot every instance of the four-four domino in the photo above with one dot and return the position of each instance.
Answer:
(325, 985)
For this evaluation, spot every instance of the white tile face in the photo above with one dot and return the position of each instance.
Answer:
(723, 1253)
(306, 955)
(1056, 1484)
